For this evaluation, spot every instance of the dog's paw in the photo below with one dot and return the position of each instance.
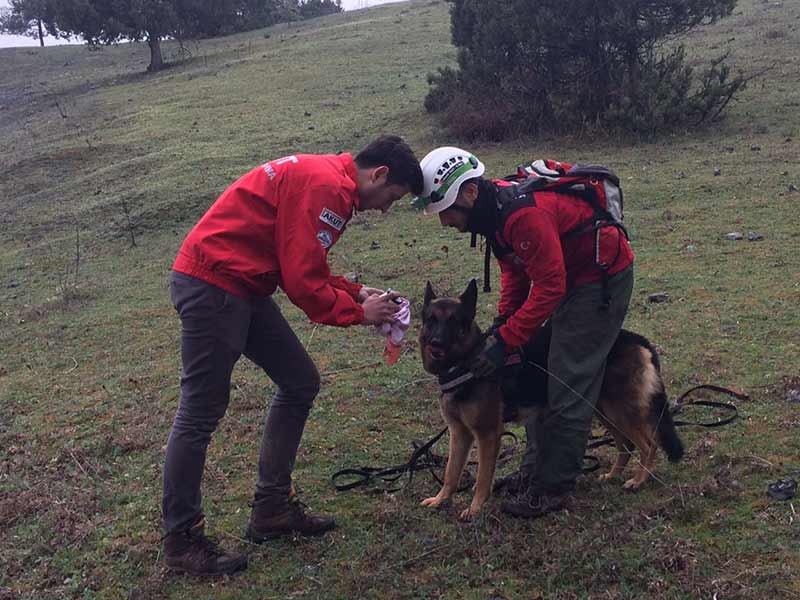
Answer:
(470, 513)
(434, 501)
(632, 485)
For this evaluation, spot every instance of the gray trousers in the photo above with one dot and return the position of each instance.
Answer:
(583, 334)
(216, 329)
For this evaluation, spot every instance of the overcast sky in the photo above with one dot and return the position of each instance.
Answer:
(9, 41)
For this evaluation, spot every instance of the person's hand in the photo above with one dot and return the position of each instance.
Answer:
(380, 309)
(499, 321)
(491, 358)
(365, 292)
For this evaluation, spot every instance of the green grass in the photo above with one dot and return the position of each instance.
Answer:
(89, 368)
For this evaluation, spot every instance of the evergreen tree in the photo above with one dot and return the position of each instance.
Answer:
(527, 66)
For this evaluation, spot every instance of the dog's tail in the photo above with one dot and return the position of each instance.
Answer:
(660, 413)
(665, 428)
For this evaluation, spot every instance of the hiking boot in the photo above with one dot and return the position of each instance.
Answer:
(271, 519)
(513, 483)
(192, 552)
(532, 505)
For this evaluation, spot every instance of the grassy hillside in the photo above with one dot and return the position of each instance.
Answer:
(89, 360)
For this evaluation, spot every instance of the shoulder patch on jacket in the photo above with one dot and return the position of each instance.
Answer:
(325, 238)
(524, 249)
(331, 218)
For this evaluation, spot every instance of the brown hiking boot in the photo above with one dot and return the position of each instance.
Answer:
(270, 520)
(193, 553)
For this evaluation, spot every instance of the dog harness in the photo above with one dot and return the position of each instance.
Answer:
(522, 383)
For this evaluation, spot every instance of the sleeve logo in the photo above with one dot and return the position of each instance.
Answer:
(331, 218)
(325, 238)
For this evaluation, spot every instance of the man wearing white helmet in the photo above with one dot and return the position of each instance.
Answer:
(552, 267)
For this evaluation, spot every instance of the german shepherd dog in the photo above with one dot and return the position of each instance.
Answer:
(633, 403)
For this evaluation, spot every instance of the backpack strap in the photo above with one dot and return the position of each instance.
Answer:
(601, 217)
(510, 200)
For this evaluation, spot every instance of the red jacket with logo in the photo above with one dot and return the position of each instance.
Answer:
(273, 227)
(542, 266)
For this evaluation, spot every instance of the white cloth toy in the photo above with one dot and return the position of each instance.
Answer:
(395, 331)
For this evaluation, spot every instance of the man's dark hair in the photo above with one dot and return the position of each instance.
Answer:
(391, 151)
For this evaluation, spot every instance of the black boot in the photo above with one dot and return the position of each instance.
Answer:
(192, 552)
(271, 519)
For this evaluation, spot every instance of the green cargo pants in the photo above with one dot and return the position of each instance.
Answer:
(583, 334)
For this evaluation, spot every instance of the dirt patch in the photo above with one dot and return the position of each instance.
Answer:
(152, 587)
(7, 594)
(20, 505)
(67, 519)
(71, 298)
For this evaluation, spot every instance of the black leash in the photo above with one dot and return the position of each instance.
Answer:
(590, 462)
(421, 459)
(681, 403)
(424, 459)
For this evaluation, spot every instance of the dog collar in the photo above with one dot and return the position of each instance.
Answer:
(454, 378)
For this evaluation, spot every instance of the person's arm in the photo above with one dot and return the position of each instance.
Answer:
(344, 284)
(302, 241)
(534, 236)
(533, 233)
(514, 289)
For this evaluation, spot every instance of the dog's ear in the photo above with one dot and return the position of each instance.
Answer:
(430, 295)
(469, 300)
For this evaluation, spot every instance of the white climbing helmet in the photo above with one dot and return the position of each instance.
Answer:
(443, 172)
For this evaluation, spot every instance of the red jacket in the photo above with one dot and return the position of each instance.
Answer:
(273, 227)
(542, 267)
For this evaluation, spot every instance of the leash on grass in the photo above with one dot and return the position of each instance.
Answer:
(421, 459)
(729, 407)
(424, 459)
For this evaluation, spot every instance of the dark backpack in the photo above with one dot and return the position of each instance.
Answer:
(596, 185)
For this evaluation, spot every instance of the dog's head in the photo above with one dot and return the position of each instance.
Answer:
(448, 332)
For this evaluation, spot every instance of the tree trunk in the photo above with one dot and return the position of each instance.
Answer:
(156, 59)
(41, 33)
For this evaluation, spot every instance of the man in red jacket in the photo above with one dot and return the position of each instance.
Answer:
(550, 269)
(271, 228)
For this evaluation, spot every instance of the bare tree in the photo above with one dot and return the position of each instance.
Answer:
(130, 223)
